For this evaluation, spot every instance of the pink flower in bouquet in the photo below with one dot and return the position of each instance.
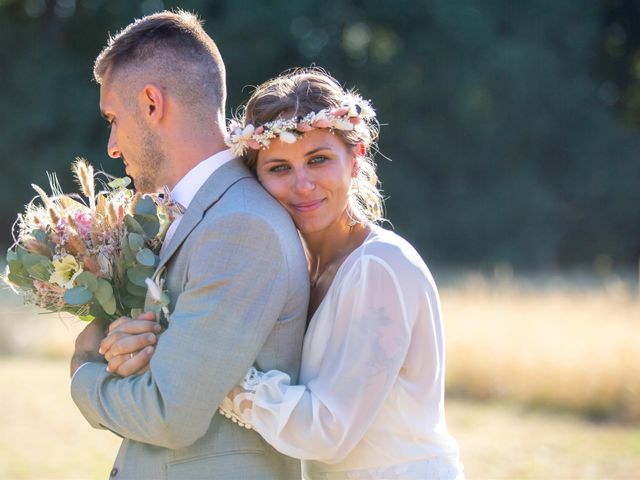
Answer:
(60, 227)
(48, 295)
(83, 221)
(92, 264)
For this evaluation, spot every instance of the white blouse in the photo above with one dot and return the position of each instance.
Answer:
(370, 403)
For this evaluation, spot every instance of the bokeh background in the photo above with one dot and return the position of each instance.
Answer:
(511, 160)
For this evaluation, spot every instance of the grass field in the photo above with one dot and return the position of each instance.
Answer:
(43, 436)
(542, 381)
(547, 344)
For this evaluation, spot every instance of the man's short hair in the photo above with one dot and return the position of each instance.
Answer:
(172, 49)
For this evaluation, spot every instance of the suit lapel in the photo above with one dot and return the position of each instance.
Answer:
(210, 192)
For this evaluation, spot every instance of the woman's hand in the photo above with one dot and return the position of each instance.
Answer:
(130, 343)
(238, 403)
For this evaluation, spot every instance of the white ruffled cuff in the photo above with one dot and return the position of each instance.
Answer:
(273, 403)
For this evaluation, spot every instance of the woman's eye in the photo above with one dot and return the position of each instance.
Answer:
(318, 159)
(279, 168)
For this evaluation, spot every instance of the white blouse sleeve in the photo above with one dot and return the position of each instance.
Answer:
(364, 349)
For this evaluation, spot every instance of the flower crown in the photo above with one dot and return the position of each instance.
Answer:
(351, 115)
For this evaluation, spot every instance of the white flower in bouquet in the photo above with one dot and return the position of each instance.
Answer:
(65, 271)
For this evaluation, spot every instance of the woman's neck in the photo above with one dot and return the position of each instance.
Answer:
(325, 247)
(326, 251)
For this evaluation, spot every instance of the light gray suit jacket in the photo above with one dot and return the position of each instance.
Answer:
(239, 288)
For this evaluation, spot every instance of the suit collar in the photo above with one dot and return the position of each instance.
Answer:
(210, 192)
(186, 189)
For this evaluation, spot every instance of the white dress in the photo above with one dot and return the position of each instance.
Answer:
(370, 403)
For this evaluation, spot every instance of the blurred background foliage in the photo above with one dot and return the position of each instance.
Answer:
(512, 128)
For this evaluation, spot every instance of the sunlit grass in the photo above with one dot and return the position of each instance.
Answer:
(529, 365)
(554, 346)
(505, 441)
(42, 433)
(43, 436)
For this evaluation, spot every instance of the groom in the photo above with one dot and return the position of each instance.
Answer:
(236, 272)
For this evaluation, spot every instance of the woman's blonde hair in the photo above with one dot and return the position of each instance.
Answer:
(302, 91)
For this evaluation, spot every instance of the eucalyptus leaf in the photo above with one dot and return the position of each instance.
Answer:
(129, 255)
(88, 279)
(78, 295)
(20, 279)
(104, 292)
(30, 259)
(39, 235)
(41, 271)
(150, 225)
(17, 267)
(123, 182)
(146, 206)
(21, 252)
(109, 305)
(138, 274)
(133, 225)
(38, 266)
(96, 310)
(18, 274)
(136, 241)
(146, 215)
(147, 258)
(133, 301)
(136, 290)
(11, 256)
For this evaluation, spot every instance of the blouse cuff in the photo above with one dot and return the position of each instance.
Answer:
(274, 401)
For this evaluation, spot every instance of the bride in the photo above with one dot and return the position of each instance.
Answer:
(370, 400)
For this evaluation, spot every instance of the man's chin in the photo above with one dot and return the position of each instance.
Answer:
(143, 186)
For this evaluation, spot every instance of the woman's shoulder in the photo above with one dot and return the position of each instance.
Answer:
(395, 254)
(388, 245)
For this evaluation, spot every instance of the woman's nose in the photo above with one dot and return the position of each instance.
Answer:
(304, 183)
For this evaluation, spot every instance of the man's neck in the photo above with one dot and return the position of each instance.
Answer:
(191, 155)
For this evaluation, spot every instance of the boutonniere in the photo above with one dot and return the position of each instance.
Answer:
(159, 296)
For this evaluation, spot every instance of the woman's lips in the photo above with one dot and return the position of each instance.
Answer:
(304, 207)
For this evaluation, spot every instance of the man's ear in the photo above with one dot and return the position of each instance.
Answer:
(153, 102)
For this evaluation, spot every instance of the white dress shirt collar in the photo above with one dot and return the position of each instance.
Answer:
(184, 191)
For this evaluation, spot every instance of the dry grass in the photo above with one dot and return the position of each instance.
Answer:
(499, 441)
(552, 345)
(541, 343)
(42, 433)
(43, 436)
(560, 346)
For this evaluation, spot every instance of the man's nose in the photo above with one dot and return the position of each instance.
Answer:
(112, 146)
